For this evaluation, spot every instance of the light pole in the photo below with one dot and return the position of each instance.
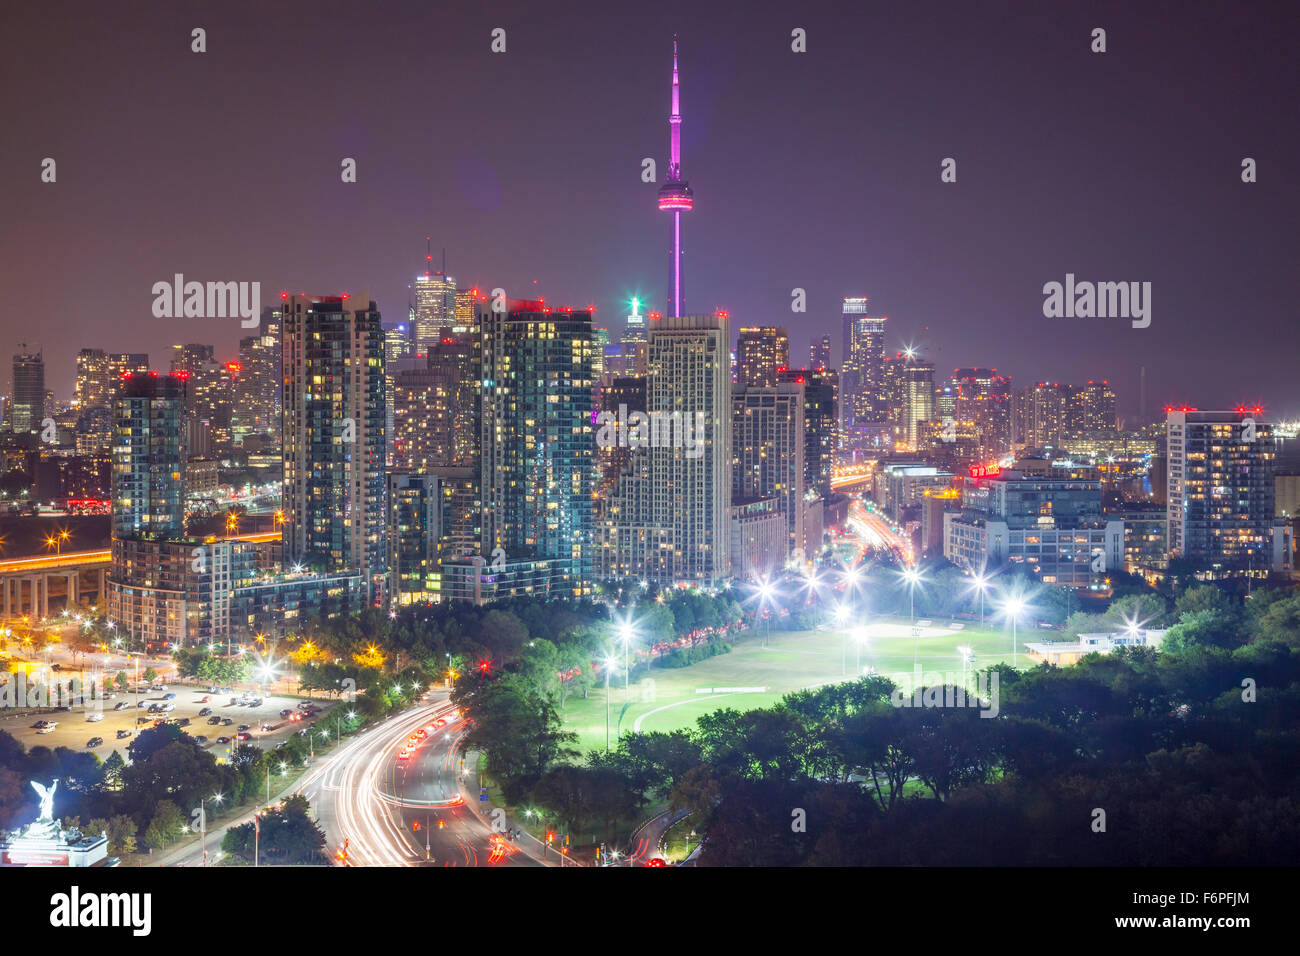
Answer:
(1015, 605)
(981, 584)
(965, 656)
(842, 614)
(610, 664)
(859, 638)
(625, 631)
(913, 578)
(203, 823)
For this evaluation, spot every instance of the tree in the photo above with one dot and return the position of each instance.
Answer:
(149, 675)
(164, 826)
(120, 680)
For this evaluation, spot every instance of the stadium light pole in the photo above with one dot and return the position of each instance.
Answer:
(610, 664)
(1014, 606)
(981, 584)
(842, 614)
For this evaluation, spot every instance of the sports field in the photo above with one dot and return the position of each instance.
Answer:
(756, 676)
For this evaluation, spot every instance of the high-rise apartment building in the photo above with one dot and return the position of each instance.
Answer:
(767, 450)
(148, 476)
(1220, 503)
(760, 354)
(28, 405)
(821, 425)
(669, 518)
(537, 440)
(334, 443)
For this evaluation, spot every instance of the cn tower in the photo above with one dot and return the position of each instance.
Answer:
(675, 196)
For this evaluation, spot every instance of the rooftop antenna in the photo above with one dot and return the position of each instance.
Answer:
(428, 255)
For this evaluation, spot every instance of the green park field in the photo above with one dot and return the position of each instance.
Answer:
(753, 675)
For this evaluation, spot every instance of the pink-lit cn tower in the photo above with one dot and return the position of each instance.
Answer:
(675, 196)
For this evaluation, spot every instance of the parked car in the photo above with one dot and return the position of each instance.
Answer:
(245, 736)
(94, 742)
(201, 740)
(242, 728)
(266, 728)
(205, 711)
(41, 723)
(122, 705)
(214, 720)
(286, 712)
(122, 734)
(169, 697)
(47, 729)
(203, 700)
(223, 740)
(227, 721)
(182, 721)
(142, 720)
(93, 717)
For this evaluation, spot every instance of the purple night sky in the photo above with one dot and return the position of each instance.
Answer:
(817, 170)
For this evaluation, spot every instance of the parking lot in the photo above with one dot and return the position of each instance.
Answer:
(127, 712)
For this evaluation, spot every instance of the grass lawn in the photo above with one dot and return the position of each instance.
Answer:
(753, 676)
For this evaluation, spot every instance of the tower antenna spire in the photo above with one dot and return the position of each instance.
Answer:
(675, 194)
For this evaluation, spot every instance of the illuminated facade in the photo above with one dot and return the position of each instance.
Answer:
(334, 437)
(1220, 504)
(537, 439)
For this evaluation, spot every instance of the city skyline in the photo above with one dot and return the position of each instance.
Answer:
(958, 267)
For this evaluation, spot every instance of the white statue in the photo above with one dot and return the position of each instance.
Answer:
(47, 801)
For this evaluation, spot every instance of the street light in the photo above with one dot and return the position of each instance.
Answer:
(965, 653)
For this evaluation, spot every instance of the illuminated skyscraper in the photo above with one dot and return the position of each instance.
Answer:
(675, 196)
(761, 354)
(537, 441)
(767, 450)
(28, 406)
(334, 437)
(668, 520)
(819, 353)
(861, 386)
(1221, 513)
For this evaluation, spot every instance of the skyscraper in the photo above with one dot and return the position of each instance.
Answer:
(435, 309)
(537, 440)
(761, 353)
(149, 457)
(821, 425)
(675, 196)
(334, 437)
(669, 518)
(819, 353)
(767, 450)
(1220, 503)
(94, 386)
(28, 405)
(861, 387)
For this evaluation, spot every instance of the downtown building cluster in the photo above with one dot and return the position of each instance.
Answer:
(488, 447)
(986, 475)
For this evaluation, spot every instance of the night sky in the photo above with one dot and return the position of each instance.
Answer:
(817, 170)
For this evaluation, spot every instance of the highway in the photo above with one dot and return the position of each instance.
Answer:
(368, 797)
